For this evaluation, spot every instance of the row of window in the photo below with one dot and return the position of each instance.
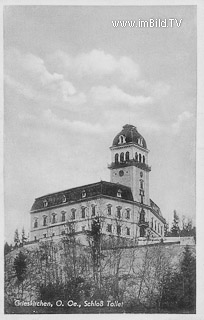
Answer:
(126, 157)
(64, 199)
(108, 229)
(156, 226)
(118, 229)
(83, 215)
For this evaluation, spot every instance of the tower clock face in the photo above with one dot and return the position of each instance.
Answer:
(121, 173)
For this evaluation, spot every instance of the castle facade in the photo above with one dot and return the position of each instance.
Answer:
(123, 205)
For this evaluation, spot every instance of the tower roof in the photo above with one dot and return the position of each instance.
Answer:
(131, 136)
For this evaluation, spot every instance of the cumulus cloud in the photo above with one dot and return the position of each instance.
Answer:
(181, 119)
(76, 126)
(97, 64)
(28, 74)
(102, 94)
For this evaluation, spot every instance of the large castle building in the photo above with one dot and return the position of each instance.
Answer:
(123, 205)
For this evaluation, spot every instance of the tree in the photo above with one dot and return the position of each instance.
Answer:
(166, 229)
(20, 266)
(179, 288)
(187, 227)
(188, 278)
(23, 237)
(175, 230)
(7, 248)
(16, 238)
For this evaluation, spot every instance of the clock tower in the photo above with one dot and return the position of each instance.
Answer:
(129, 164)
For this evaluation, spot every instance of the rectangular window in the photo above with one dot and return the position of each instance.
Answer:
(128, 231)
(73, 214)
(118, 230)
(53, 234)
(35, 223)
(63, 216)
(44, 235)
(54, 219)
(63, 232)
(127, 213)
(109, 227)
(83, 212)
(118, 212)
(93, 210)
(44, 221)
(161, 230)
(109, 210)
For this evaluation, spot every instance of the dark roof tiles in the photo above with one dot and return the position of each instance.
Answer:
(82, 193)
(131, 136)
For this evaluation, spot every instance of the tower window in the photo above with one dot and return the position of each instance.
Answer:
(142, 231)
(142, 216)
(141, 184)
(127, 156)
(121, 139)
(73, 216)
(44, 221)
(118, 230)
(63, 215)
(128, 231)
(155, 226)
(116, 158)
(83, 211)
(140, 158)
(122, 157)
(136, 156)
(118, 212)
(143, 159)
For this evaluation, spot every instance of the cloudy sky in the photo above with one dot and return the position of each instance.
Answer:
(72, 81)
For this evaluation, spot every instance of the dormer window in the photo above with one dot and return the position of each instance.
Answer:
(45, 203)
(119, 193)
(122, 139)
(64, 199)
(83, 194)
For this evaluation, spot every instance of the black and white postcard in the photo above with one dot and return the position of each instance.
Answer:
(100, 127)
